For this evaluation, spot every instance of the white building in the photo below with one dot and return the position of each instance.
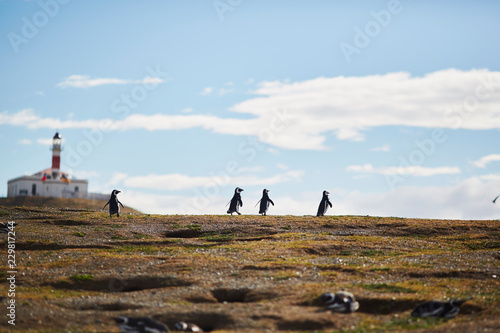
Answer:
(50, 182)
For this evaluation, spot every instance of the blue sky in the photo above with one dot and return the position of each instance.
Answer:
(392, 106)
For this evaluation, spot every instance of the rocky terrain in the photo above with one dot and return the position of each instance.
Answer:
(78, 268)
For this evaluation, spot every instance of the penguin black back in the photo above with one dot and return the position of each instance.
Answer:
(323, 205)
(438, 309)
(264, 202)
(140, 325)
(114, 204)
(236, 202)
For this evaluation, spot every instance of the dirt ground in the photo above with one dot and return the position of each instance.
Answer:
(79, 268)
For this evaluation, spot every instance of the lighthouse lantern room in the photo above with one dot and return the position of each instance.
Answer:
(51, 182)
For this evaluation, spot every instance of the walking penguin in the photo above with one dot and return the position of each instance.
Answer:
(323, 205)
(235, 203)
(264, 202)
(113, 202)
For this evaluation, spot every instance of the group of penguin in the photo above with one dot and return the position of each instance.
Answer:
(234, 204)
(342, 301)
(345, 302)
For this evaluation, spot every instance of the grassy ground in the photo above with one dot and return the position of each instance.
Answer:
(78, 268)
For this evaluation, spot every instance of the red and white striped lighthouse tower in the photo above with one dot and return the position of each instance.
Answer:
(56, 155)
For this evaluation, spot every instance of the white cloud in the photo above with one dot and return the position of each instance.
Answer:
(177, 181)
(483, 161)
(224, 91)
(416, 171)
(468, 199)
(44, 141)
(299, 115)
(493, 176)
(187, 110)
(282, 166)
(384, 148)
(24, 141)
(84, 81)
(207, 91)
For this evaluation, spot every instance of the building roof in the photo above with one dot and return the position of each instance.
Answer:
(47, 173)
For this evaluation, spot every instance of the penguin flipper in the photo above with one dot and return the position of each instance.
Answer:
(329, 204)
(105, 205)
(257, 203)
(120, 203)
(271, 202)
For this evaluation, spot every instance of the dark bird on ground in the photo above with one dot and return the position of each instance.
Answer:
(264, 202)
(113, 202)
(341, 301)
(6, 227)
(323, 205)
(187, 327)
(494, 200)
(438, 309)
(140, 325)
(235, 203)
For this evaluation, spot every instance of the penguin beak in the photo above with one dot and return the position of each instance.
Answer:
(118, 192)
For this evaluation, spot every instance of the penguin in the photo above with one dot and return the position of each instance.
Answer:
(113, 202)
(341, 301)
(264, 202)
(187, 327)
(323, 205)
(235, 203)
(5, 228)
(140, 325)
(438, 309)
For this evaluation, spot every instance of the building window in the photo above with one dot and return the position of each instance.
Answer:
(76, 188)
(23, 192)
(33, 189)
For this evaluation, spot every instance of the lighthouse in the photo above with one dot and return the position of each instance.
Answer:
(56, 155)
(50, 182)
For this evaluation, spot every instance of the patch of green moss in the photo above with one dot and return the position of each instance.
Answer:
(82, 277)
(386, 288)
